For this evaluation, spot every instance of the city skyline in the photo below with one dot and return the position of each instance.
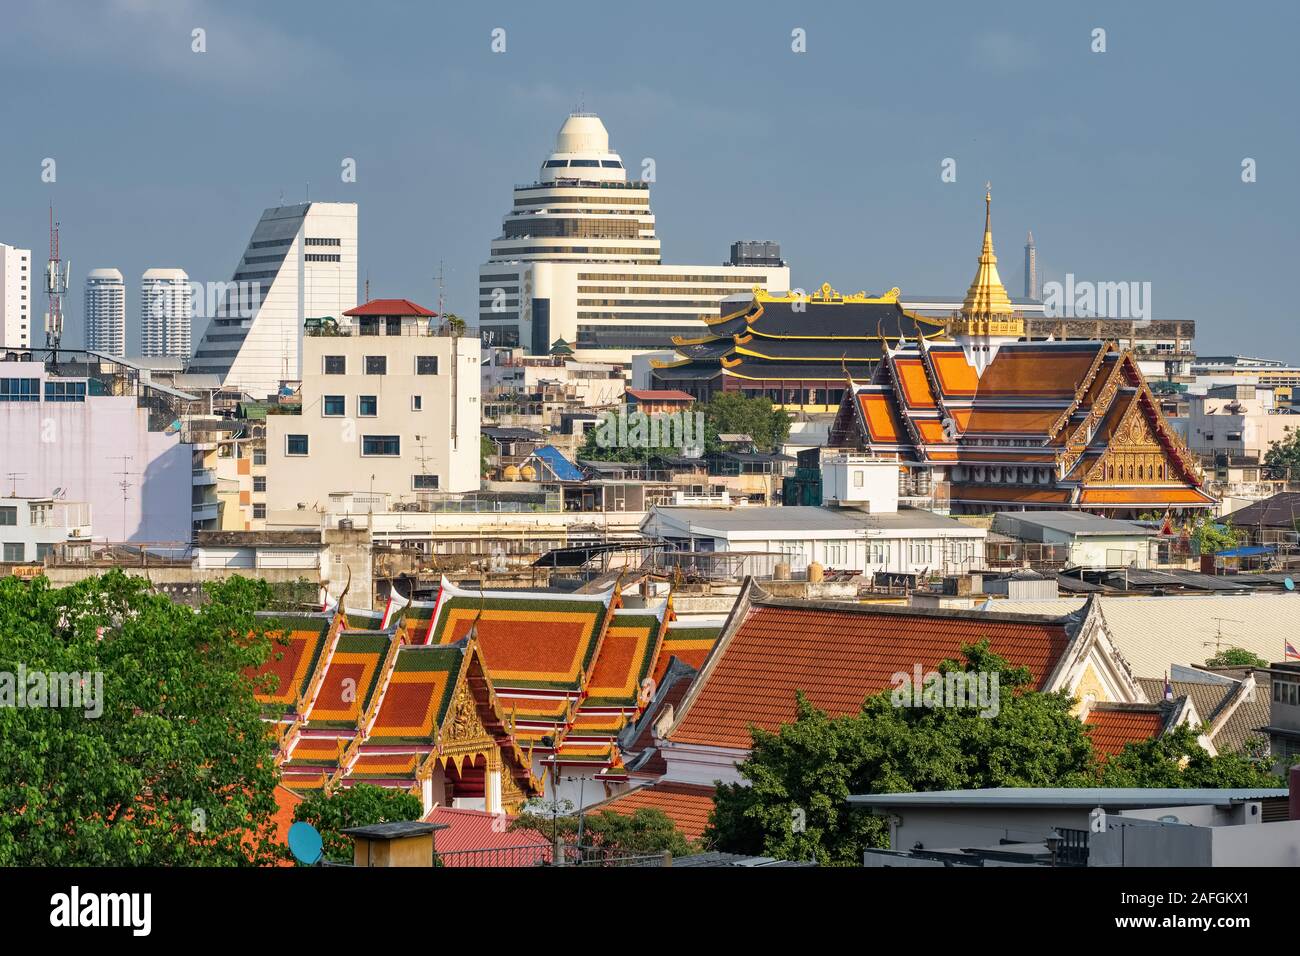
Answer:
(1102, 155)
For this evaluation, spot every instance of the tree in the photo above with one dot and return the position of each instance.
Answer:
(643, 832)
(1283, 456)
(1236, 657)
(1177, 760)
(800, 778)
(169, 763)
(1211, 537)
(453, 324)
(486, 450)
(357, 806)
(725, 413)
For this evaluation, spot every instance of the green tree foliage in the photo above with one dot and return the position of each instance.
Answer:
(486, 450)
(1177, 760)
(176, 769)
(795, 806)
(726, 413)
(644, 832)
(801, 776)
(359, 806)
(1212, 537)
(1236, 657)
(1283, 457)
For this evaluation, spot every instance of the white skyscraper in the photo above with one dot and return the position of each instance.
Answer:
(300, 263)
(578, 259)
(15, 297)
(165, 313)
(105, 311)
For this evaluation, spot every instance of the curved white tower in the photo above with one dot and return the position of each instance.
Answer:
(578, 261)
(165, 313)
(582, 207)
(105, 311)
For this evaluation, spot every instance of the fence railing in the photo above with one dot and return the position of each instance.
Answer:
(544, 855)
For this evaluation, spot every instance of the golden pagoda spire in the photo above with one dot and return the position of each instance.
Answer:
(986, 295)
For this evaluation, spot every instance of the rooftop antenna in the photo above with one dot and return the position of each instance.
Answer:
(124, 482)
(1218, 637)
(57, 274)
(13, 477)
(441, 287)
(367, 285)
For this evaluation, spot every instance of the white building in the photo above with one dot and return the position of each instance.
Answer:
(1090, 541)
(105, 311)
(578, 259)
(166, 313)
(300, 263)
(31, 527)
(1240, 420)
(15, 297)
(388, 406)
(98, 434)
(906, 541)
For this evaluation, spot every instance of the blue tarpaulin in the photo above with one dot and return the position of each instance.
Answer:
(1251, 551)
(564, 469)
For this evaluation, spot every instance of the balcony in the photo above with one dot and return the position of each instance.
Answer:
(202, 477)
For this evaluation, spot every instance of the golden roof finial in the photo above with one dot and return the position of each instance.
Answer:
(986, 295)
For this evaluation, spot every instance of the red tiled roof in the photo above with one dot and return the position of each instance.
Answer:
(1112, 728)
(479, 830)
(687, 805)
(659, 395)
(840, 656)
(286, 801)
(393, 307)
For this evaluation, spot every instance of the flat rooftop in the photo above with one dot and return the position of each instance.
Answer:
(1117, 797)
(1077, 523)
(809, 518)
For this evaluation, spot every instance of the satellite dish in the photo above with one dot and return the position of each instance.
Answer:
(305, 843)
(1289, 584)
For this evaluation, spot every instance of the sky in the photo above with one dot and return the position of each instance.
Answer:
(1127, 164)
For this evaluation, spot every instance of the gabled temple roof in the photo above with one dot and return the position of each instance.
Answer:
(838, 655)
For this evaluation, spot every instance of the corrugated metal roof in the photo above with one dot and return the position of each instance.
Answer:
(1110, 797)
(1154, 633)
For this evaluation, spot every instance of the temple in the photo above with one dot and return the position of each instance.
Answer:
(479, 700)
(986, 422)
(793, 348)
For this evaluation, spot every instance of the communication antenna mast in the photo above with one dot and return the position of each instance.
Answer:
(124, 482)
(57, 274)
(13, 477)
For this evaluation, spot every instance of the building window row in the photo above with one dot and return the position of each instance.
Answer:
(378, 364)
(323, 242)
(321, 257)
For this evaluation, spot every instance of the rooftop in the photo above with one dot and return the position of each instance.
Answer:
(811, 519)
(1078, 523)
(391, 307)
(1111, 798)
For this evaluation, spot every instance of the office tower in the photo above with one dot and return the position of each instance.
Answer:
(15, 297)
(105, 311)
(165, 313)
(300, 263)
(1031, 268)
(578, 260)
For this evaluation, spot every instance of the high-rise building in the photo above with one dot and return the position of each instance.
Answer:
(1031, 267)
(15, 297)
(300, 263)
(578, 260)
(105, 311)
(166, 313)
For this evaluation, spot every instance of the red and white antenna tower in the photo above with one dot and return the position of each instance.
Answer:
(56, 284)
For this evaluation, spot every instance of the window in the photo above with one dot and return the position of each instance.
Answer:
(15, 551)
(259, 456)
(9, 516)
(20, 389)
(65, 391)
(367, 406)
(259, 512)
(43, 550)
(426, 365)
(417, 402)
(389, 446)
(857, 479)
(259, 483)
(334, 406)
(376, 364)
(336, 365)
(424, 482)
(295, 445)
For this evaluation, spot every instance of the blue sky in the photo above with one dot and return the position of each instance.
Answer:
(1126, 164)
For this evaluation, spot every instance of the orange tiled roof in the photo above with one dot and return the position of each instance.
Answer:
(1143, 496)
(689, 643)
(687, 805)
(1113, 727)
(839, 656)
(1044, 372)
